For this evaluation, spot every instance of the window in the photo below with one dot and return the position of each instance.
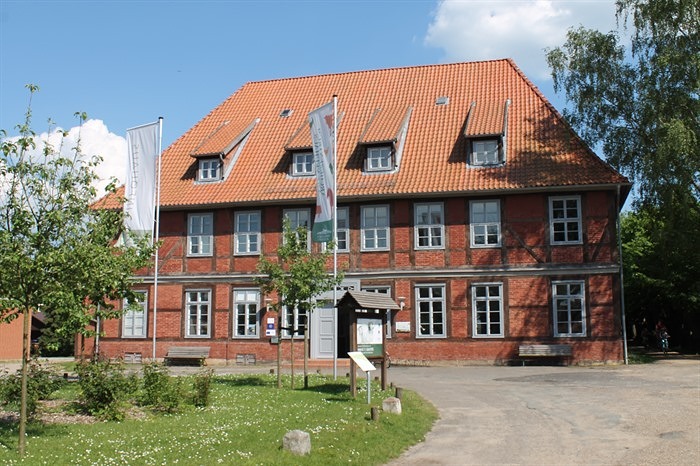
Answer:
(379, 159)
(485, 224)
(487, 309)
(246, 321)
(303, 164)
(300, 218)
(565, 220)
(199, 234)
(198, 310)
(569, 310)
(485, 152)
(294, 318)
(209, 170)
(389, 315)
(430, 311)
(134, 317)
(343, 229)
(247, 232)
(430, 229)
(375, 228)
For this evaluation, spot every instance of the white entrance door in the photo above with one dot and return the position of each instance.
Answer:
(322, 324)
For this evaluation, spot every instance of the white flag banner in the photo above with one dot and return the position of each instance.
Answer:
(139, 208)
(323, 138)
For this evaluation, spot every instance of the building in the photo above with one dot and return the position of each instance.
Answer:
(462, 193)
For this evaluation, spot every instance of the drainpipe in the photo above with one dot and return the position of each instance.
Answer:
(622, 281)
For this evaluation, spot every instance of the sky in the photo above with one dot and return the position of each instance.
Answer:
(128, 62)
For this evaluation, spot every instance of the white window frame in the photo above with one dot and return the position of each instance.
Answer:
(379, 159)
(296, 319)
(485, 152)
(375, 231)
(565, 307)
(247, 233)
(303, 164)
(428, 228)
(483, 317)
(198, 305)
(209, 170)
(343, 229)
(295, 217)
(246, 313)
(431, 302)
(482, 226)
(133, 313)
(389, 315)
(562, 222)
(200, 234)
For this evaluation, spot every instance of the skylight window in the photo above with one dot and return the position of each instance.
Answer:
(286, 112)
(442, 100)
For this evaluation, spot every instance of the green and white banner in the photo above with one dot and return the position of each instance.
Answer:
(322, 121)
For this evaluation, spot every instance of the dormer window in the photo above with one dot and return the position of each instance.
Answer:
(486, 152)
(209, 170)
(379, 159)
(303, 164)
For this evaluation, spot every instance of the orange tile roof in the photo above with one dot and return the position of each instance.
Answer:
(542, 151)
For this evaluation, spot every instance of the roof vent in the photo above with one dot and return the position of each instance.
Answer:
(286, 112)
(442, 100)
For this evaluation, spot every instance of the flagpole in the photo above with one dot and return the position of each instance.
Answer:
(157, 236)
(335, 236)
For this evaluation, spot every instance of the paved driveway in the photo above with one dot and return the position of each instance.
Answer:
(641, 414)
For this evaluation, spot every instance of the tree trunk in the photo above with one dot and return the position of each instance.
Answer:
(26, 354)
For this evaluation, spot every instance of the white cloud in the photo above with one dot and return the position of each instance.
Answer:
(484, 30)
(95, 139)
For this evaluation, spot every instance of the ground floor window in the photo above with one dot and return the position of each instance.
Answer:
(487, 309)
(246, 319)
(294, 319)
(430, 311)
(569, 309)
(198, 310)
(135, 316)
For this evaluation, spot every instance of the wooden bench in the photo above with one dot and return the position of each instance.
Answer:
(545, 351)
(185, 354)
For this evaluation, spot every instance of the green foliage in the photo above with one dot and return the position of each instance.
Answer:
(160, 391)
(297, 275)
(201, 384)
(104, 387)
(42, 382)
(641, 103)
(243, 426)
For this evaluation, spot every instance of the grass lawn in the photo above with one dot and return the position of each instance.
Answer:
(243, 424)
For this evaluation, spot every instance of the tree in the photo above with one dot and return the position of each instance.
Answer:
(57, 252)
(640, 105)
(296, 277)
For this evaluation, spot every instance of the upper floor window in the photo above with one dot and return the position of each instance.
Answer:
(485, 152)
(343, 229)
(247, 232)
(430, 311)
(209, 170)
(300, 218)
(379, 159)
(200, 231)
(246, 319)
(569, 309)
(487, 309)
(135, 316)
(430, 227)
(303, 164)
(565, 220)
(375, 228)
(198, 313)
(485, 224)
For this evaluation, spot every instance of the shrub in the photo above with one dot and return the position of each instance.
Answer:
(160, 391)
(202, 388)
(104, 387)
(41, 384)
